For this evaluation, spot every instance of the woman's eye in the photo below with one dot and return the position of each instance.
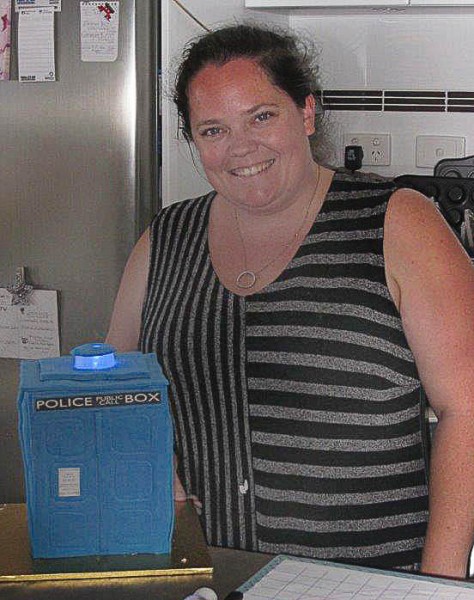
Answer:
(263, 116)
(211, 131)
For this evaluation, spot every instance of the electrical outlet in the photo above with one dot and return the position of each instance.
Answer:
(376, 147)
(432, 148)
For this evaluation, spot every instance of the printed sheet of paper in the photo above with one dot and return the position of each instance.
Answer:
(36, 45)
(56, 4)
(286, 578)
(99, 31)
(69, 482)
(29, 331)
(5, 38)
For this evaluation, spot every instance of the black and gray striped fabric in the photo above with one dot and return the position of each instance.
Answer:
(297, 410)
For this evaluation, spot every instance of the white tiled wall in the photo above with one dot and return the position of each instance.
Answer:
(395, 52)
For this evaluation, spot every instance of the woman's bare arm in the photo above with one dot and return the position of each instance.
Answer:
(432, 281)
(124, 330)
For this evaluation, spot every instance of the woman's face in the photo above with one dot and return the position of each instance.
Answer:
(251, 137)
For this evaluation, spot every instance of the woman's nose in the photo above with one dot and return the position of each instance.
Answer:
(242, 143)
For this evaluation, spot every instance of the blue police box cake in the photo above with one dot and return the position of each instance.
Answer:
(97, 444)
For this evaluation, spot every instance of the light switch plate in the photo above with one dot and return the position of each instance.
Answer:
(430, 149)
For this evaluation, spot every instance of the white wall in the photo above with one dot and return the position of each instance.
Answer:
(401, 51)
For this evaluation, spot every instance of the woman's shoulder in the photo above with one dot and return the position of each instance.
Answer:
(350, 186)
(360, 191)
(419, 244)
(342, 175)
(413, 214)
(190, 205)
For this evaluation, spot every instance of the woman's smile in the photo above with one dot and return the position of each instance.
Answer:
(253, 170)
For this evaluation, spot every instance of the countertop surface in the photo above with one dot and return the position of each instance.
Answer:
(231, 569)
(220, 569)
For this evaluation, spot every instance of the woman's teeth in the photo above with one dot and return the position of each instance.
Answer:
(253, 170)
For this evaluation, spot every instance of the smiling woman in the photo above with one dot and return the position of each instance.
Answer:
(245, 98)
(251, 137)
(294, 310)
(252, 140)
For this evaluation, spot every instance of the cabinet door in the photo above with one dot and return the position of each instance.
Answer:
(323, 3)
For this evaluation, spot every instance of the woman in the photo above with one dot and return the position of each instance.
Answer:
(294, 311)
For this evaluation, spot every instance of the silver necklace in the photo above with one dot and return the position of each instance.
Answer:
(248, 278)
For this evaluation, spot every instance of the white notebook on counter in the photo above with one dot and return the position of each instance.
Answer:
(289, 578)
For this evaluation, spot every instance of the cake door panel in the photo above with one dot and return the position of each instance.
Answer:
(130, 467)
(66, 509)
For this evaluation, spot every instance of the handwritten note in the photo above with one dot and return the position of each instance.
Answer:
(99, 31)
(29, 331)
(36, 45)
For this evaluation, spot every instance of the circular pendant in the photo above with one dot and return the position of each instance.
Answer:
(246, 280)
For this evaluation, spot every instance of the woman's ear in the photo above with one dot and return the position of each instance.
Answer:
(309, 113)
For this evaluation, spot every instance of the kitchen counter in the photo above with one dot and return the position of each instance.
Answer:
(219, 568)
(231, 569)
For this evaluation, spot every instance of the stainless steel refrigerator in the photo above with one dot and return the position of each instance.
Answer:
(79, 182)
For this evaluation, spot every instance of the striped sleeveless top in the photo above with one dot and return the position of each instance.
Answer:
(297, 411)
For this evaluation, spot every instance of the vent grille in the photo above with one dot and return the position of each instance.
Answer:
(397, 100)
(460, 101)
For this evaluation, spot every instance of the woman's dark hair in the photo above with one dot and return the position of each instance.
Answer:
(282, 57)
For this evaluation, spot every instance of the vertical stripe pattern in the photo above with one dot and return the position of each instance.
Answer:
(298, 421)
(197, 329)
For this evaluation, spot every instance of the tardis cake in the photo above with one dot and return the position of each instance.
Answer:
(97, 444)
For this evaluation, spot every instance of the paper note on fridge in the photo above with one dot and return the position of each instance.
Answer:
(56, 4)
(30, 331)
(99, 31)
(36, 45)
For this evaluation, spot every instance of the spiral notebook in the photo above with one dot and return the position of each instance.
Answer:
(289, 578)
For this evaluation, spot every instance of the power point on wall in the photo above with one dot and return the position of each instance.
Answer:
(430, 149)
(376, 147)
